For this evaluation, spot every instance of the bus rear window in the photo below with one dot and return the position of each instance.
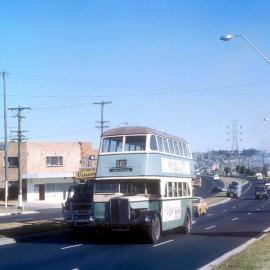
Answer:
(135, 143)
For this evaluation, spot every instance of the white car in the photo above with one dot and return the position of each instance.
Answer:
(216, 177)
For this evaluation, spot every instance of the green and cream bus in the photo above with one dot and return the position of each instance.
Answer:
(143, 180)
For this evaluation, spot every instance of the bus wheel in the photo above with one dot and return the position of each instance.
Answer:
(154, 230)
(187, 224)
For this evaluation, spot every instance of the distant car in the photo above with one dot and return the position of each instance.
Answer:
(216, 177)
(216, 189)
(261, 192)
(200, 206)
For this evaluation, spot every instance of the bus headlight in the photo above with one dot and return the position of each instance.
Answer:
(91, 218)
(147, 219)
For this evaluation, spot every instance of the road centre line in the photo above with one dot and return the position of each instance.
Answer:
(163, 243)
(211, 227)
(71, 246)
(249, 213)
(235, 218)
(211, 214)
(224, 210)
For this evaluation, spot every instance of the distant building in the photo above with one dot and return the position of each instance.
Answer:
(47, 167)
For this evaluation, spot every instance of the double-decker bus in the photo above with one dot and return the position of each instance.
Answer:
(143, 180)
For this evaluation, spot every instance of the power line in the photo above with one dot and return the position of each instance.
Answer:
(135, 93)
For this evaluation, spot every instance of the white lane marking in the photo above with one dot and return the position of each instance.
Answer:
(235, 218)
(258, 209)
(211, 227)
(233, 206)
(249, 213)
(72, 246)
(163, 243)
(76, 268)
(225, 210)
(247, 188)
(211, 214)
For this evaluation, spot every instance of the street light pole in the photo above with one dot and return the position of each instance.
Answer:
(229, 37)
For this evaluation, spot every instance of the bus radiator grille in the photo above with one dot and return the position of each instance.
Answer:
(119, 212)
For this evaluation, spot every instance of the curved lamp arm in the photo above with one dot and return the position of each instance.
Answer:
(228, 37)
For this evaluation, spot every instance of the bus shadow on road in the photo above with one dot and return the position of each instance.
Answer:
(87, 238)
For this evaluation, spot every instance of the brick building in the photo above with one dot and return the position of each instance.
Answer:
(47, 167)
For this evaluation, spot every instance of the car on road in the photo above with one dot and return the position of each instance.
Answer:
(267, 185)
(200, 206)
(261, 192)
(216, 177)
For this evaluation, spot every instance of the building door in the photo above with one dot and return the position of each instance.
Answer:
(42, 192)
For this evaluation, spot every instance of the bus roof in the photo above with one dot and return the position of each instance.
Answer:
(136, 130)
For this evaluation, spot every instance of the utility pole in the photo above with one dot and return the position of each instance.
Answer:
(5, 138)
(19, 139)
(102, 122)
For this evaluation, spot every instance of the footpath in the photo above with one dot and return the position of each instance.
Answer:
(24, 223)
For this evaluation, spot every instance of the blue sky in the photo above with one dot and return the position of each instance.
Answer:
(161, 63)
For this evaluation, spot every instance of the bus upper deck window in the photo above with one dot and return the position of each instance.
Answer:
(171, 147)
(113, 144)
(185, 150)
(166, 147)
(176, 148)
(153, 143)
(180, 147)
(135, 143)
(160, 144)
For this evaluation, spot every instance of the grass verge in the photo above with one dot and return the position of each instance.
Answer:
(254, 257)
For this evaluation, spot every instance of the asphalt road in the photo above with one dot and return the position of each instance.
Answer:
(207, 184)
(224, 227)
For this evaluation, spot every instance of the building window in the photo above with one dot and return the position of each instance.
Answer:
(54, 161)
(13, 162)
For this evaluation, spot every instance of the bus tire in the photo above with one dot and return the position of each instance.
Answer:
(154, 229)
(187, 223)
